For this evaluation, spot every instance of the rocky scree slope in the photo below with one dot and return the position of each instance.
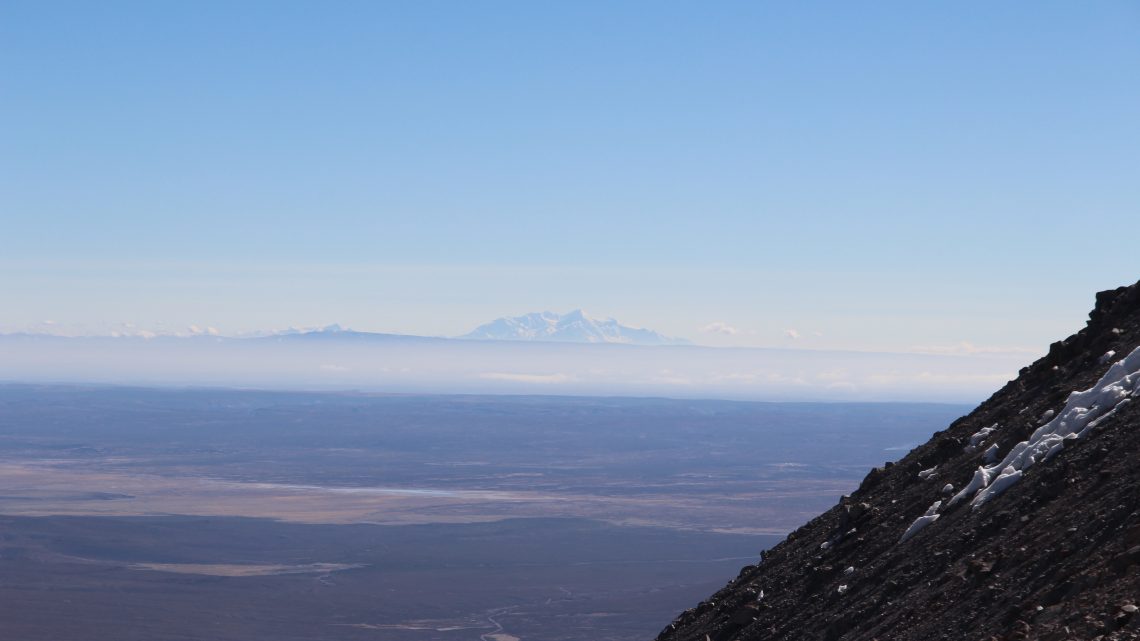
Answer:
(1051, 554)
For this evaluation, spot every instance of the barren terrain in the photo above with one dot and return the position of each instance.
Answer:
(206, 514)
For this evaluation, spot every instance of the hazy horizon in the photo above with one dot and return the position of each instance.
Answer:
(793, 339)
(385, 363)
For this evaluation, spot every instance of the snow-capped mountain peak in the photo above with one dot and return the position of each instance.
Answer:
(334, 328)
(572, 327)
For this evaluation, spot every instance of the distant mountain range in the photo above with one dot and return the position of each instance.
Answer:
(573, 327)
(563, 355)
(549, 327)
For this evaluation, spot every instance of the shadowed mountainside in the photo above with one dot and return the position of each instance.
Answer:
(1043, 542)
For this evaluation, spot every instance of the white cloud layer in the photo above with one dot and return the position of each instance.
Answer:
(195, 330)
(393, 364)
(720, 327)
(966, 348)
(543, 379)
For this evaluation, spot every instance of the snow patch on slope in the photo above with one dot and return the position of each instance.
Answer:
(922, 521)
(978, 437)
(1083, 412)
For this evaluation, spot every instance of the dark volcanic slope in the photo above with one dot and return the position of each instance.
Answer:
(1056, 556)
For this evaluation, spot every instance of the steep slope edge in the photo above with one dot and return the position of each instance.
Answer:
(1042, 541)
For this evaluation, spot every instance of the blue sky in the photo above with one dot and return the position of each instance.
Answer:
(873, 176)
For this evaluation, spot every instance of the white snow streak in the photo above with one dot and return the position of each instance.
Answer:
(1083, 412)
(922, 521)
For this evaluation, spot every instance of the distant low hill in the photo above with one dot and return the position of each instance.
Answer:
(573, 327)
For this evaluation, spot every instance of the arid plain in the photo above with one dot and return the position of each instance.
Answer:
(284, 516)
